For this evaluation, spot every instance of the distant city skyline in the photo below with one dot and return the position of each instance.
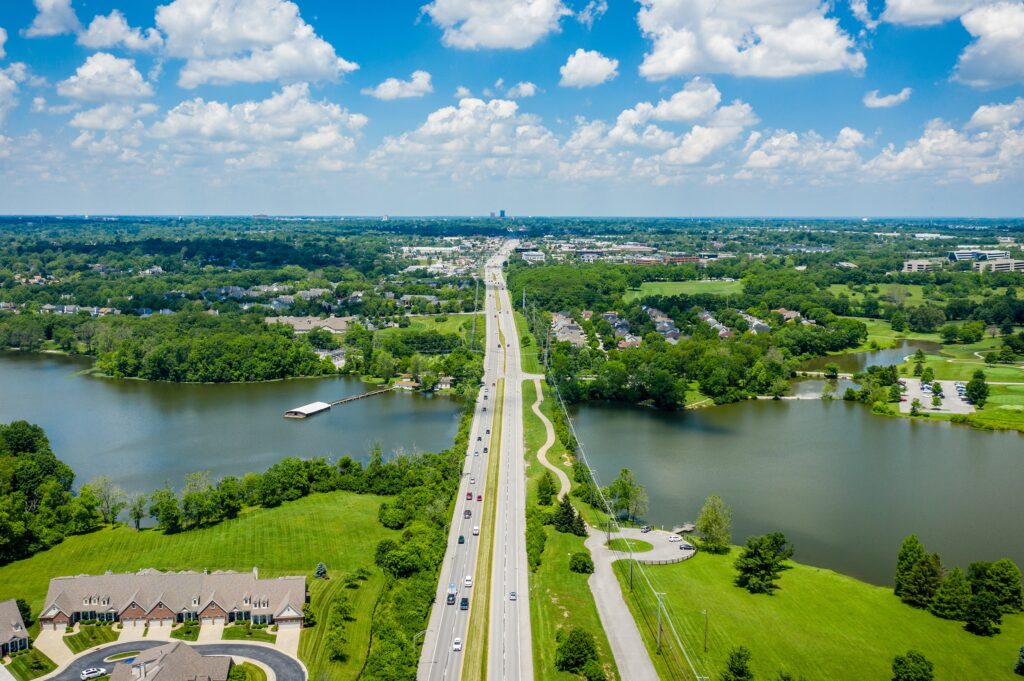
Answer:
(539, 107)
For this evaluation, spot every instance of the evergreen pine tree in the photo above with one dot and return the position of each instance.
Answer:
(910, 553)
(953, 597)
(983, 616)
(923, 581)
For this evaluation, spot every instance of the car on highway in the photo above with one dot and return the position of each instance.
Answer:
(450, 599)
(469, 496)
(472, 481)
(467, 514)
(512, 596)
(464, 604)
(485, 408)
(476, 530)
(479, 497)
(468, 582)
(479, 439)
(674, 537)
(462, 539)
(488, 431)
(92, 673)
(485, 450)
(457, 645)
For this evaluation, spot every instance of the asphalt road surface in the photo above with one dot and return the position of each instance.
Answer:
(285, 668)
(438, 659)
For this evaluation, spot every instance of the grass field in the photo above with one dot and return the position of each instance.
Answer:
(820, 625)
(339, 528)
(559, 598)
(529, 351)
(252, 672)
(30, 665)
(90, 635)
(474, 665)
(693, 287)
(243, 633)
(622, 545)
(448, 323)
(1004, 409)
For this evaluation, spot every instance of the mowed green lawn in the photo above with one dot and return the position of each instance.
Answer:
(820, 625)
(1004, 409)
(559, 598)
(339, 528)
(694, 287)
(447, 323)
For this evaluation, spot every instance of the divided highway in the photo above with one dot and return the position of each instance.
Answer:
(510, 655)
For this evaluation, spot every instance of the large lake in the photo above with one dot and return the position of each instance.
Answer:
(142, 434)
(844, 485)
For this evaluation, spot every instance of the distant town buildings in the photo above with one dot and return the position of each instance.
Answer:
(973, 254)
(756, 325)
(999, 265)
(663, 324)
(721, 329)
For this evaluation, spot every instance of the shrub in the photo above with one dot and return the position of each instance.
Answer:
(912, 667)
(582, 563)
(575, 650)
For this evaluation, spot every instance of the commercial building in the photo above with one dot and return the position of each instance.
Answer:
(920, 265)
(999, 265)
(971, 254)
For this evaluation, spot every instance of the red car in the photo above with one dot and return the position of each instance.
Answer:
(469, 496)
(479, 497)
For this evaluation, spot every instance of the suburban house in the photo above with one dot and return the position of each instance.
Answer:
(13, 634)
(307, 324)
(172, 662)
(150, 596)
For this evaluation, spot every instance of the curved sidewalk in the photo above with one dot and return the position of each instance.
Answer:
(563, 479)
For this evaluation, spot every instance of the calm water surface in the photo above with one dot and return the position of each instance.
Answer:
(142, 434)
(844, 485)
(852, 362)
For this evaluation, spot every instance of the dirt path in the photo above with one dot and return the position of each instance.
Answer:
(563, 479)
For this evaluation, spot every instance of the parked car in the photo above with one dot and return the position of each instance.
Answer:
(92, 673)
(645, 529)
(674, 537)
(457, 644)
(686, 547)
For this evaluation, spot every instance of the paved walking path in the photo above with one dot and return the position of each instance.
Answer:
(563, 479)
(630, 653)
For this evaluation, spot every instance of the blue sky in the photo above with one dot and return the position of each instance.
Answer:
(544, 107)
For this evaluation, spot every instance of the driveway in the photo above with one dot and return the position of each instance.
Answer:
(285, 668)
(131, 632)
(288, 640)
(160, 632)
(5, 675)
(51, 643)
(211, 633)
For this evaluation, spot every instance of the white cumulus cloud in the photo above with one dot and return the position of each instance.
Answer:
(509, 24)
(873, 100)
(246, 41)
(591, 12)
(3, 39)
(521, 90)
(587, 68)
(113, 31)
(53, 17)
(104, 77)
(393, 88)
(927, 12)
(111, 116)
(767, 39)
(996, 56)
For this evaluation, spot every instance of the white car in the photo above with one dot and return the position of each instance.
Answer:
(472, 481)
(457, 645)
(674, 537)
(468, 582)
(92, 673)
(476, 530)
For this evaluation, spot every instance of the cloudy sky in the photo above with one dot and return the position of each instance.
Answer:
(544, 107)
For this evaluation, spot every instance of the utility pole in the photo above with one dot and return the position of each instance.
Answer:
(659, 595)
(705, 631)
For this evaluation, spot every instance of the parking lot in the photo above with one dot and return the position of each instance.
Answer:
(952, 403)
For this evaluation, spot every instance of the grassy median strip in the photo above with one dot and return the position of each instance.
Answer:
(474, 664)
(558, 598)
